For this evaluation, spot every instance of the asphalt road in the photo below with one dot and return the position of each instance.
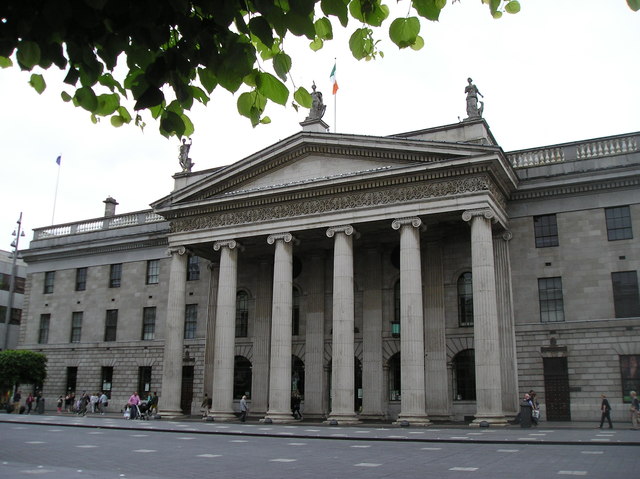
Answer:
(91, 448)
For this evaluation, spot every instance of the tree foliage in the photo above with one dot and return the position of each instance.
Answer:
(179, 51)
(22, 367)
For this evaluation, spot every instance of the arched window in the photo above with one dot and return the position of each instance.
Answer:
(242, 314)
(394, 377)
(464, 375)
(395, 324)
(465, 300)
(295, 320)
(241, 377)
(297, 375)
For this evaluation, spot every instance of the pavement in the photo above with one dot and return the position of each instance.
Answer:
(548, 433)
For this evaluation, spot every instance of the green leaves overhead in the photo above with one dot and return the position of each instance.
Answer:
(634, 5)
(175, 54)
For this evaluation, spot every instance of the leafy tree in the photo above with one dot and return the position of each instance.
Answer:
(178, 51)
(21, 367)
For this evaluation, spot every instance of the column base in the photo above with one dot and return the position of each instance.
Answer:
(278, 418)
(412, 420)
(371, 416)
(337, 419)
(492, 421)
(171, 414)
(222, 416)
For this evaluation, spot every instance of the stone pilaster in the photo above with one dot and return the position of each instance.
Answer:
(343, 360)
(225, 331)
(281, 323)
(437, 393)
(485, 319)
(413, 400)
(174, 335)
(262, 338)
(213, 270)
(373, 387)
(314, 339)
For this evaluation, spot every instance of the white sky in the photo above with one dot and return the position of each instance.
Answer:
(558, 71)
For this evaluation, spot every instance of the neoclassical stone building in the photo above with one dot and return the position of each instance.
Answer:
(416, 277)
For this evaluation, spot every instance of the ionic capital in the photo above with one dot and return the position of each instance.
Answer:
(346, 229)
(286, 237)
(507, 235)
(487, 213)
(180, 250)
(231, 244)
(411, 221)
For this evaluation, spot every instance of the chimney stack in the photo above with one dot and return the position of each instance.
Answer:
(110, 207)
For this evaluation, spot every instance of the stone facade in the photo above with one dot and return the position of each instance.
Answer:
(391, 278)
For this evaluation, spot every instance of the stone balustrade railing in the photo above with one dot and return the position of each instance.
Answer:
(98, 224)
(618, 145)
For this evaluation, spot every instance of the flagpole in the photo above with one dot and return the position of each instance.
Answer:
(55, 196)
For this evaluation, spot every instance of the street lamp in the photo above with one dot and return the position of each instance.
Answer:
(12, 282)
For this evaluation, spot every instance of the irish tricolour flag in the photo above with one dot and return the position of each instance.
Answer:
(333, 79)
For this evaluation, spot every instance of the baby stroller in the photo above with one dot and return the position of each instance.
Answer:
(143, 411)
(132, 411)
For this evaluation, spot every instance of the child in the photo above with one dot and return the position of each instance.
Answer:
(59, 404)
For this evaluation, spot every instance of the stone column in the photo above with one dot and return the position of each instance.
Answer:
(508, 358)
(209, 355)
(438, 401)
(343, 360)
(413, 400)
(314, 339)
(373, 388)
(225, 332)
(485, 320)
(281, 323)
(262, 338)
(174, 335)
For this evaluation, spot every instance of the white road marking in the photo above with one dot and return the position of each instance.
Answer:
(573, 473)
(367, 464)
(238, 440)
(360, 446)
(467, 469)
(283, 460)
(592, 452)
(145, 450)
(508, 450)
(87, 446)
(209, 455)
(186, 438)
(35, 442)
(431, 448)
(297, 444)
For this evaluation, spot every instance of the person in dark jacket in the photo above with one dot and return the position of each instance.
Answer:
(605, 407)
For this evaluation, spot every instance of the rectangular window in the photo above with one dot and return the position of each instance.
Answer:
(43, 330)
(72, 379)
(190, 321)
(545, 229)
(148, 323)
(550, 297)
(81, 279)
(115, 275)
(107, 380)
(49, 278)
(630, 374)
(193, 268)
(19, 286)
(626, 299)
(618, 223)
(76, 326)
(153, 271)
(16, 315)
(5, 283)
(144, 381)
(111, 325)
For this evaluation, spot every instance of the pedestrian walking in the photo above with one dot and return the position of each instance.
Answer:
(59, 404)
(16, 401)
(244, 409)
(605, 409)
(634, 409)
(103, 402)
(29, 402)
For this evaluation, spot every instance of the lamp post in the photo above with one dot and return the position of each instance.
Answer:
(12, 282)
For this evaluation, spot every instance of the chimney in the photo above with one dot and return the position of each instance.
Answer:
(110, 207)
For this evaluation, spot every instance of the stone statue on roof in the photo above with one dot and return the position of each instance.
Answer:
(317, 105)
(185, 162)
(472, 101)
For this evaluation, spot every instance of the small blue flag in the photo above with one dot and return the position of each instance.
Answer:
(58, 160)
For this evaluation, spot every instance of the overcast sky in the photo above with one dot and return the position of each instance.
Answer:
(558, 71)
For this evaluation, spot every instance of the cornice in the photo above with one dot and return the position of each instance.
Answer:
(573, 189)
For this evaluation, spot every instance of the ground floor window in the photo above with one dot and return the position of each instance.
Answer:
(464, 375)
(72, 378)
(241, 377)
(107, 380)
(630, 373)
(144, 381)
(394, 377)
(297, 375)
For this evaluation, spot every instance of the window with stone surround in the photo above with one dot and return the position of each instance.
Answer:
(295, 313)
(551, 300)
(72, 378)
(190, 321)
(81, 279)
(49, 278)
(545, 229)
(16, 315)
(630, 375)
(115, 275)
(76, 326)
(153, 271)
(111, 325)
(618, 223)
(144, 381)
(463, 367)
(193, 268)
(465, 300)
(626, 299)
(106, 380)
(148, 323)
(43, 330)
(242, 314)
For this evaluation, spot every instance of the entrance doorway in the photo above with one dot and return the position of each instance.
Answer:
(187, 390)
(556, 389)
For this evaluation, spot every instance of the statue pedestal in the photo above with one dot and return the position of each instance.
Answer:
(315, 125)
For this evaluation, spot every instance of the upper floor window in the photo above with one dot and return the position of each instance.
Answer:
(81, 279)
(190, 321)
(193, 268)
(43, 330)
(153, 271)
(546, 231)
(626, 299)
(295, 319)
(465, 300)
(115, 275)
(49, 278)
(148, 323)
(76, 326)
(618, 223)
(242, 314)
(5, 283)
(111, 325)
(550, 298)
